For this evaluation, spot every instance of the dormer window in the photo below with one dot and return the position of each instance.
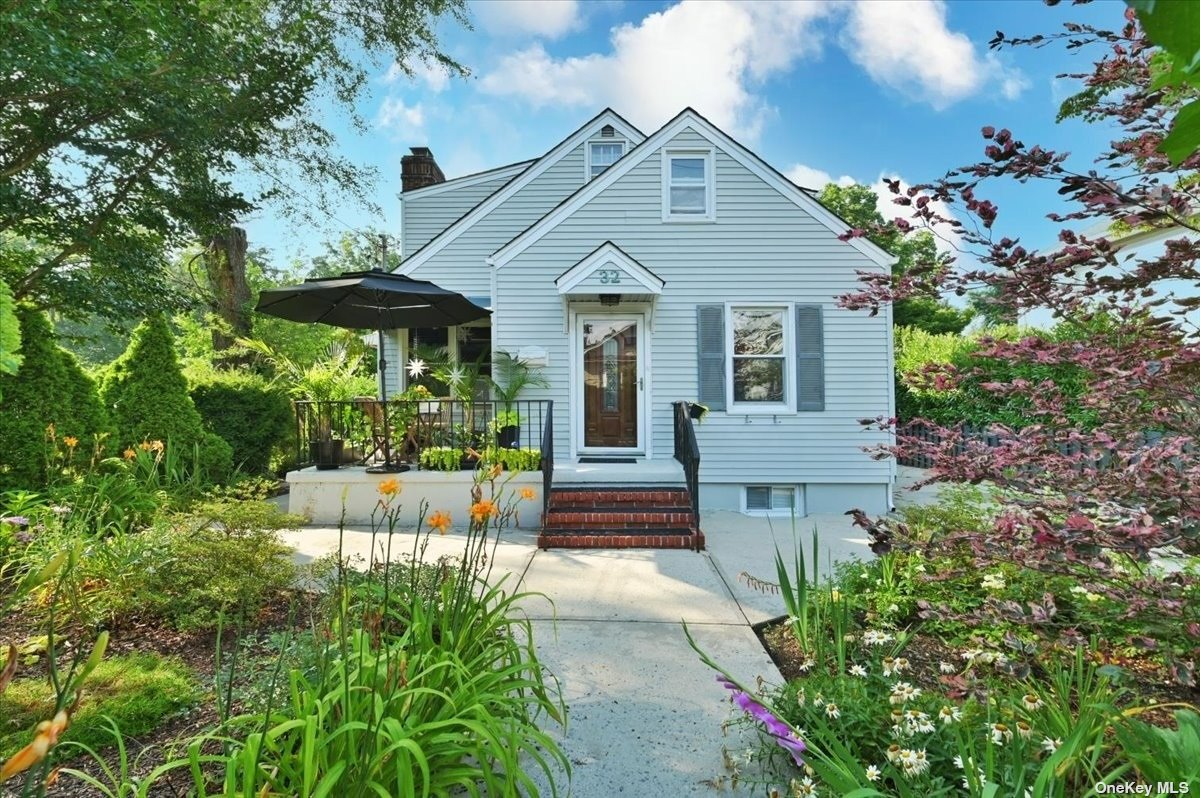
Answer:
(603, 154)
(688, 186)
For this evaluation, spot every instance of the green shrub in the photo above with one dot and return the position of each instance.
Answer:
(137, 691)
(442, 458)
(253, 417)
(147, 396)
(50, 388)
(515, 459)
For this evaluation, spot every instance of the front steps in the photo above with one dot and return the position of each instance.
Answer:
(586, 516)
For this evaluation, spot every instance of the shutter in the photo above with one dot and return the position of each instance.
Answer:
(810, 358)
(710, 353)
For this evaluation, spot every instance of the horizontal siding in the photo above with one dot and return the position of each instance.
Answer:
(422, 218)
(762, 248)
(461, 265)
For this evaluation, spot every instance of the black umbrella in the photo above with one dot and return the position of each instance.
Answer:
(372, 299)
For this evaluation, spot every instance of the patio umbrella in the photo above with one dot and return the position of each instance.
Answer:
(372, 299)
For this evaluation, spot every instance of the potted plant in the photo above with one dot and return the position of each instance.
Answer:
(697, 411)
(511, 376)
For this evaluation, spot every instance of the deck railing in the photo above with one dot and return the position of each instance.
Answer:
(687, 452)
(432, 434)
(547, 459)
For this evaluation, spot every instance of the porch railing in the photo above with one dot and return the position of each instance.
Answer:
(687, 452)
(420, 434)
(547, 458)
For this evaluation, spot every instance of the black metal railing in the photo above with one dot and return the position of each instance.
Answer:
(687, 452)
(437, 434)
(547, 459)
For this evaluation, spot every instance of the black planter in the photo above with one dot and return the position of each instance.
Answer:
(468, 463)
(326, 454)
(508, 437)
(696, 411)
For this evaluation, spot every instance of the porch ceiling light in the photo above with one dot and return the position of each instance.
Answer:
(610, 299)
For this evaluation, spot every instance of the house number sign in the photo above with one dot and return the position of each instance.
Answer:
(609, 276)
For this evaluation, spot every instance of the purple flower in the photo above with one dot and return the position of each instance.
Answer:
(778, 729)
(15, 520)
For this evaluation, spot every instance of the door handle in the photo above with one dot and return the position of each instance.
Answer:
(640, 387)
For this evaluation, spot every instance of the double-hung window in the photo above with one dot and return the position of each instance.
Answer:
(603, 154)
(761, 360)
(688, 185)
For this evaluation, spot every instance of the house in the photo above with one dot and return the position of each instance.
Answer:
(639, 271)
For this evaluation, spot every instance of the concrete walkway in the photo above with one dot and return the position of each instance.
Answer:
(645, 714)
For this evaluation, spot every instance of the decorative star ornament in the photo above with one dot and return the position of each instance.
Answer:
(416, 367)
(455, 375)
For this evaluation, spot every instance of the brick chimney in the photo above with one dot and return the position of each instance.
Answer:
(419, 170)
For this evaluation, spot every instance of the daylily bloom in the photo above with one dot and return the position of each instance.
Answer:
(527, 493)
(71, 441)
(130, 454)
(389, 487)
(482, 510)
(440, 521)
(44, 739)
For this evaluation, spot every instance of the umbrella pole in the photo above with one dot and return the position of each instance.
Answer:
(387, 433)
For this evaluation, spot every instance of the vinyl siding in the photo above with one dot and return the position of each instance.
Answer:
(422, 218)
(762, 248)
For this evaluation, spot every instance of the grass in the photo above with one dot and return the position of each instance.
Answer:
(136, 690)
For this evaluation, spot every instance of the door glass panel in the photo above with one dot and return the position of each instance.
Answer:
(612, 375)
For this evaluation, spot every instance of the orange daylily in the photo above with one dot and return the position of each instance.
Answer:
(482, 510)
(130, 454)
(44, 739)
(71, 441)
(157, 446)
(389, 487)
(144, 446)
(440, 521)
(527, 493)
(496, 471)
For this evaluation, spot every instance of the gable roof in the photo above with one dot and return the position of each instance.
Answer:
(486, 176)
(688, 119)
(539, 167)
(609, 254)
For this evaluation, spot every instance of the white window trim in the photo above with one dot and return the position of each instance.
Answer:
(587, 157)
(796, 509)
(788, 405)
(710, 182)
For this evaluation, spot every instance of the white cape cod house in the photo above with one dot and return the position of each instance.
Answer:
(641, 271)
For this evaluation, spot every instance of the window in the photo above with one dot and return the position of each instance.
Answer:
(688, 186)
(760, 351)
(770, 498)
(603, 154)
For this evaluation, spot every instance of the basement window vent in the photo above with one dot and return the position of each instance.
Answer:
(770, 498)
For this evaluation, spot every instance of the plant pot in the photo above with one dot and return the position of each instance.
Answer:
(326, 454)
(696, 411)
(508, 437)
(468, 463)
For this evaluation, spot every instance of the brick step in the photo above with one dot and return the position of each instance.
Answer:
(622, 539)
(617, 496)
(617, 519)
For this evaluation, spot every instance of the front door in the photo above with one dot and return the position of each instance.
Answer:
(611, 381)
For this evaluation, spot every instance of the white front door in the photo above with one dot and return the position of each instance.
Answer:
(610, 383)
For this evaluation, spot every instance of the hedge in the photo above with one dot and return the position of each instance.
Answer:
(253, 417)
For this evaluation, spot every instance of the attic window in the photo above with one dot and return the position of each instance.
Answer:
(603, 154)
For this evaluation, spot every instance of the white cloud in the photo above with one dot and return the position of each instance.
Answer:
(432, 74)
(906, 45)
(546, 18)
(708, 54)
(404, 121)
(815, 179)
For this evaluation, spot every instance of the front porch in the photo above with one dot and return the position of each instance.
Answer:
(433, 448)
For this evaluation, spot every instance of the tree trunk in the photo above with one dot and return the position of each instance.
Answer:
(225, 261)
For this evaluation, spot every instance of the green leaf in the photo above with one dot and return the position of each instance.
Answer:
(1174, 26)
(1184, 139)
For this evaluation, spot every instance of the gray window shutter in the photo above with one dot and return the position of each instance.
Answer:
(710, 352)
(810, 358)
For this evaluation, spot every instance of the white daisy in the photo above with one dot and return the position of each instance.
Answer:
(946, 667)
(873, 773)
(1050, 746)
(1032, 702)
(858, 670)
(1024, 729)
(806, 787)
(1000, 733)
(831, 709)
(949, 715)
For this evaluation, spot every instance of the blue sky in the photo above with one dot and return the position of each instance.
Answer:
(821, 90)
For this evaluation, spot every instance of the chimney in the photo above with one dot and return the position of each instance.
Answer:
(419, 170)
